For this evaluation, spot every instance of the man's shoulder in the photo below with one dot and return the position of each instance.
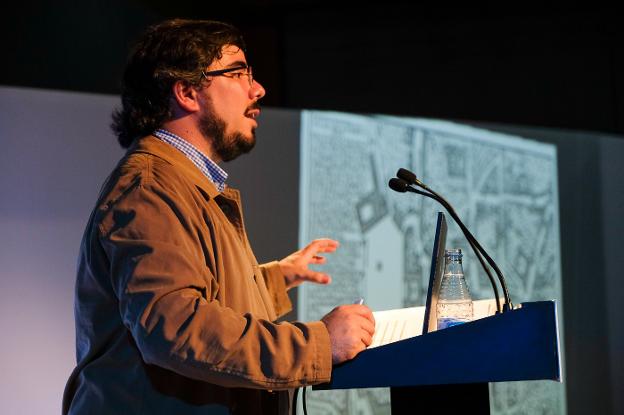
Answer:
(140, 182)
(152, 171)
(152, 159)
(140, 169)
(147, 168)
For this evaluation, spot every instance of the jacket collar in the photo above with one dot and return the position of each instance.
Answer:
(154, 146)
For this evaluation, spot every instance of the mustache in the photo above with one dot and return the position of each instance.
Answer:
(254, 106)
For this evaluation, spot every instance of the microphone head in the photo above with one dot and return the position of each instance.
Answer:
(406, 175)
(398, 185)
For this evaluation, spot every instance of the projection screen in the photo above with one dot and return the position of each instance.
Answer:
(504, 188)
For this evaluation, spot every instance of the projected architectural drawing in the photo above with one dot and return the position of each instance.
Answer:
(503, 187)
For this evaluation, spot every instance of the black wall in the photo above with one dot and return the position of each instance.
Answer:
(533, 66)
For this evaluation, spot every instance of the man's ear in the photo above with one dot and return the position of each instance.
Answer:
(186, 96)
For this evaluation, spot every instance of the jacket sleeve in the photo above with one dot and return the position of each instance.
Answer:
(167, 303)
(276, 285)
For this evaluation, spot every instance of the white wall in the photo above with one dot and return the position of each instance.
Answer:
(56, 150)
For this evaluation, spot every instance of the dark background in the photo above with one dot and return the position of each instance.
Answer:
(540, 66)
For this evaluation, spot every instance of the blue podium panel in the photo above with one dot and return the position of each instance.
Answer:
(521, 344)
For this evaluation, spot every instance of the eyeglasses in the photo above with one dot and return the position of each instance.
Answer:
(236, 73)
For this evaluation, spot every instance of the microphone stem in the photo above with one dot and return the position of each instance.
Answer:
(469, 236)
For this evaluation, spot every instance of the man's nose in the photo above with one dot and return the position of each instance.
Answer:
(257, 90)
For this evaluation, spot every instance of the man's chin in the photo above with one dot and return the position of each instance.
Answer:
(236, 146)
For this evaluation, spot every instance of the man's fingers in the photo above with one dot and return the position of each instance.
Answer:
(320, 245)
(367, 339)
(364, 311)
(329, 245)
(317, 277)
(316, 259)
(368, 326)
(360, 310)
(363, 316)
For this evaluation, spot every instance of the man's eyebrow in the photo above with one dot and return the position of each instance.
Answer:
(236, 63)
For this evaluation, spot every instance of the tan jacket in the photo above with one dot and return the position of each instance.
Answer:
(173, 313)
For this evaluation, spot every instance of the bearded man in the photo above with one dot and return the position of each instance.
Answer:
(173, 313)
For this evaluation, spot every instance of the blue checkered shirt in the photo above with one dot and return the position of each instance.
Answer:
(209, 168)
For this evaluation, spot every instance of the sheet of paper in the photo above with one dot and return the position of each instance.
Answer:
(404, 323)
(395, 325)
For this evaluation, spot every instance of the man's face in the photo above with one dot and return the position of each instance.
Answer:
(230, 108)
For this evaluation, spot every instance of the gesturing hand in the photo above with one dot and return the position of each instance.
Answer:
(295, 266)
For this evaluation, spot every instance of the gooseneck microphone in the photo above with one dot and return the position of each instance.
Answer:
(409, 178)
(403, 183)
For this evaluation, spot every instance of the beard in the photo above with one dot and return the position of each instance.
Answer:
(226, 146)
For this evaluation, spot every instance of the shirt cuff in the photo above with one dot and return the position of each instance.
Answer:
(276, 285)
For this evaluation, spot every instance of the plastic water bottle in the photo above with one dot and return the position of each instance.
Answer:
(454, 302)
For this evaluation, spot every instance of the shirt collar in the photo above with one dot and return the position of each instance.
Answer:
(209, 168)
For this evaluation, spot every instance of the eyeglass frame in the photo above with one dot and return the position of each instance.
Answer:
(223, 72)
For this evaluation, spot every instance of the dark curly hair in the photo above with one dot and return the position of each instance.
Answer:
(174, 50)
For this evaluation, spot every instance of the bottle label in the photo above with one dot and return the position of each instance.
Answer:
(445, 322)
